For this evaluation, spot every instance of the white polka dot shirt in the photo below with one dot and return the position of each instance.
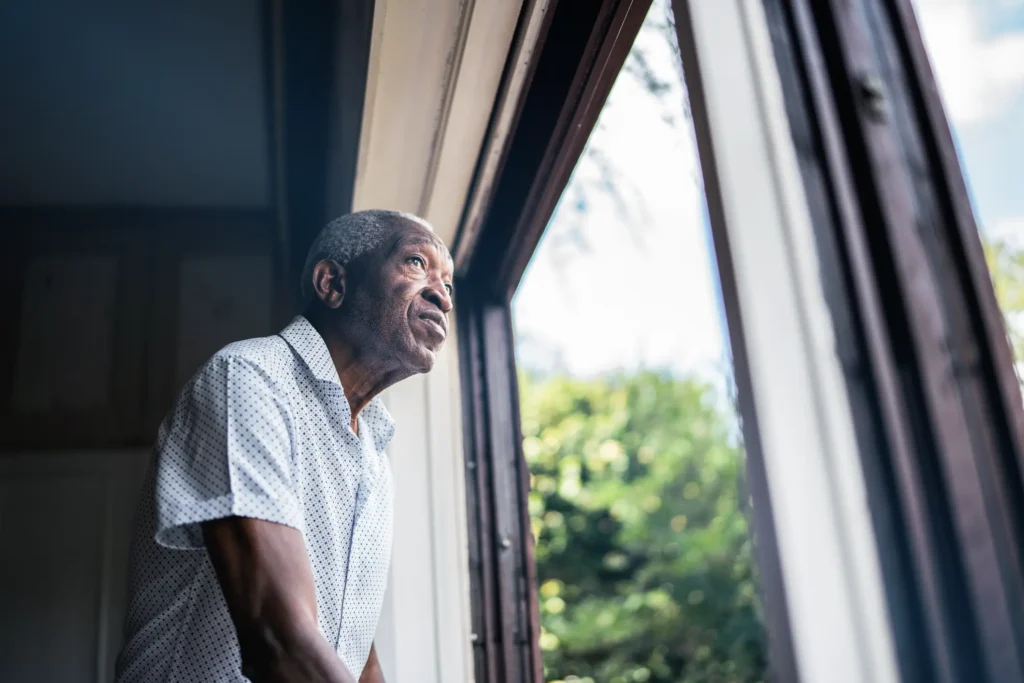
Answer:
(262, 431)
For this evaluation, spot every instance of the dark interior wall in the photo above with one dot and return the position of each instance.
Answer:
(109, 311)
(162, 172)
(138, 230)
(106, 313)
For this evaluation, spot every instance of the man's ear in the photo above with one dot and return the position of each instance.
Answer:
(329, 282)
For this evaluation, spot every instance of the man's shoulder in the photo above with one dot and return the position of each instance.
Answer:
(271, 356)
(258, 350)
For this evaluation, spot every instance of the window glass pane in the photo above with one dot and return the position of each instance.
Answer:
(637, 502)
(977, 52)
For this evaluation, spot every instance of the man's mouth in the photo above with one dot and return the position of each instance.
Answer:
(435, 322)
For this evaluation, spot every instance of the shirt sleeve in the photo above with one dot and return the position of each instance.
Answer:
(226, 451)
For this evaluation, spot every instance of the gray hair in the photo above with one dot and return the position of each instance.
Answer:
(349, 237)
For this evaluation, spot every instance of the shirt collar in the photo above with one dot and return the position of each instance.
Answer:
(310, 346)
(312, 349)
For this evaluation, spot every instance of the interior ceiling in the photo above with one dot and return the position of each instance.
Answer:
(126, 103)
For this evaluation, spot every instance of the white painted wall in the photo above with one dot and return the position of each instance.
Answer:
(424, 632)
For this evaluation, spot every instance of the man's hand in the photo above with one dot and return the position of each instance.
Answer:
(372, 672)
(267, 581)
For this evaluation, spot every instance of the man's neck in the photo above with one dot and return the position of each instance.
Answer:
(363, 375)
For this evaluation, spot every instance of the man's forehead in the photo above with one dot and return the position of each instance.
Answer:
(419, 231)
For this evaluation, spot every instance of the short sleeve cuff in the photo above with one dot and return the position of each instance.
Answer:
(179, 528)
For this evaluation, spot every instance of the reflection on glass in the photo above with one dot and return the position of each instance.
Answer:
(643, 552)
(977, 52)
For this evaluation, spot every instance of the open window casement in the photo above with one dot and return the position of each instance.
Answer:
(880, 410)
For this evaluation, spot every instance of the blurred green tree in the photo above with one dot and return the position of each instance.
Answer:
(643, 554)
(1006, 263)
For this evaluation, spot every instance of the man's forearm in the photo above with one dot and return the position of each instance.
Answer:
(290, 655)
(267, 581)
(372, 672)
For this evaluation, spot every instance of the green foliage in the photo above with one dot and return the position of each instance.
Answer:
(1006, 262)
(643, 554)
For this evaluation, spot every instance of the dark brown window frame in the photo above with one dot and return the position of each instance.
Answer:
(940, 426)
(930, 371)
(559, 108)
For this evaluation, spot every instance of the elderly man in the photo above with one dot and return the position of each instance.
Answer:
(264, 539)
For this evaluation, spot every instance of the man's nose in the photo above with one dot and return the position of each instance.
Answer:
(438, 295)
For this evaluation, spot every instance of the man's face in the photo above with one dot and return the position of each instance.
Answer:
(405, 297)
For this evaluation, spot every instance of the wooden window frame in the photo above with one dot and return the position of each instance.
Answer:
(934, 373)
(559, 106)
(939, 427)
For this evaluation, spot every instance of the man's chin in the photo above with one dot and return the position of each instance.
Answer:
(422, 359)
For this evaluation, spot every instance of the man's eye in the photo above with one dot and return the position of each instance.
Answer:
(417, 261)
(448, 288)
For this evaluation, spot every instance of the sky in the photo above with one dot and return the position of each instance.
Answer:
(624, 276)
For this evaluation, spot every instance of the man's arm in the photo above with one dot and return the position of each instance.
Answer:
(372, 672)
(267, 581)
